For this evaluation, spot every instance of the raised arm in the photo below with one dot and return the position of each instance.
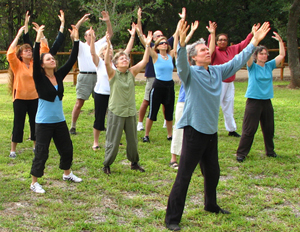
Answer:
(95, 57)
(82, 20)
(255, 27)
(139, 20)
(62, 21)
(105, 18)
(139, 66)
(131, 39)
(194, 27)
(110, 71)
(281, 55)
(212, 30)
(36, 55)
(60, 37)
(260, 34)
(26, 38)
(14, 43)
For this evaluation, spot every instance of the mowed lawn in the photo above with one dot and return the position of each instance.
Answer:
(262, 193)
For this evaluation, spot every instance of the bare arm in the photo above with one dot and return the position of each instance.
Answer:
(62, 21)
(139, 20)
(131, 39)
(105, 18)
(281, 55)
(82, 20)
(212, 30)
(110, 71)
(14, 43)
(139, 66)
(95, 57)
(194, 27)
(27, 17)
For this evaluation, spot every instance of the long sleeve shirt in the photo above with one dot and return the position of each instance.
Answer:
(222, 56)
(44, 87)
(203, 89)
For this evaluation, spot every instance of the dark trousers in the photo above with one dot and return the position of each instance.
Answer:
(196, 148)
(61, 137)
(21, 107)
(101, 104)
(257, 111)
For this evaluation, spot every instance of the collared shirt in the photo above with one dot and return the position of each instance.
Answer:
(85, 60)
(203, 89)
(122, 94)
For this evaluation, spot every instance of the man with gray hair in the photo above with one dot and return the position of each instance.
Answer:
(202, 83)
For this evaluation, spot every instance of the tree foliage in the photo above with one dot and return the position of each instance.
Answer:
(234, 17)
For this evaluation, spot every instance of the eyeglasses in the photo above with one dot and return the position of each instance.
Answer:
(224, 40)
(164, 42)
(27, 50)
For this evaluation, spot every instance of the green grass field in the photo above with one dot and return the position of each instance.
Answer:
(262, 193)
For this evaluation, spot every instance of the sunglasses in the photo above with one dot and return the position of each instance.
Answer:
(163, 43)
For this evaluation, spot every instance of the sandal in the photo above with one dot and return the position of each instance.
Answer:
(173, 165)
(95, 148)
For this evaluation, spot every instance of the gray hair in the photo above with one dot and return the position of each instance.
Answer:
(193, 51)
(102, 48)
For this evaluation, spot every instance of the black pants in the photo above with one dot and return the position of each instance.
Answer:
(21, 107)
(61, 137)
(257, 111)
(196, 148)
(101, 104)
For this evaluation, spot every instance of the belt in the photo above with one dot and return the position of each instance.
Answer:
(88, 72)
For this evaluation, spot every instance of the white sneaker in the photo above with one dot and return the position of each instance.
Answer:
(165, 124)
(37, 188)
(140, 127)
(72, 177)
(12, 154)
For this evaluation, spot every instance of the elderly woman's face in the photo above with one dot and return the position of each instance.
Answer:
(123, 61)
(262, 56)
(26, 53)
(222, 42)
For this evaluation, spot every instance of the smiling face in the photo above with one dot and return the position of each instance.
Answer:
(202, 57)
(48, 61)
(122, 62)
(222, 41)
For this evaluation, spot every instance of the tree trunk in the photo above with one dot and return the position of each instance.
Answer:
(293, 53)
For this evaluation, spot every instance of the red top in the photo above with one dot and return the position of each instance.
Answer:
(223, 56)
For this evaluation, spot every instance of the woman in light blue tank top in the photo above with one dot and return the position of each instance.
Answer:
(163, 87)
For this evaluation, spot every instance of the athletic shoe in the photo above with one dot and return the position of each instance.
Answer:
(234, 134)
(140, 127)
(73, 131)
(146, 139)
(72, 177)
(12, 154)
(37, 188)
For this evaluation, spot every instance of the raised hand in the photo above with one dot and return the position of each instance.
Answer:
(40, 33)
(255, 28)
(93, 36)
(139, 13)
(183, 28)
(35, 26)
(20, 31)
(182, 15)
(61, 16)
(194, 25)
(149, 38)
(212, 27)
(74, 32)
(277, 36)
(133, 28)
(105, 16)
(82, 20)
(261, 33)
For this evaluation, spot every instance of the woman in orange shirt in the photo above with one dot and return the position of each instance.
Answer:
(21, 84)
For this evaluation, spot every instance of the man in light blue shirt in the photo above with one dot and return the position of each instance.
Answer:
(202, 83)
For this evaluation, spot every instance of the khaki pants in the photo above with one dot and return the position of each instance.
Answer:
(115, 127)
